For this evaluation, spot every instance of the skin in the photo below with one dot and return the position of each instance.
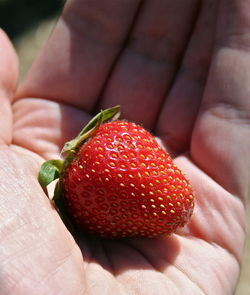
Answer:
(186, 78)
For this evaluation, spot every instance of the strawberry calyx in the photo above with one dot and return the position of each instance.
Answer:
(53, 169)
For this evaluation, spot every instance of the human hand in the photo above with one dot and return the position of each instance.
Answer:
(169, 69)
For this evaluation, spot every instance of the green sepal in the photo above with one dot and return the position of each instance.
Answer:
(49, 171)
(72, 146)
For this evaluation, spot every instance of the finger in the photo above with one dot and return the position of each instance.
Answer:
(148, 63)
(182, 102)
(221, 139)
(8, 81)
(77, 59)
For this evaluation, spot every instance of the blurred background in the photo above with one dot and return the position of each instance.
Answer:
(28, 24)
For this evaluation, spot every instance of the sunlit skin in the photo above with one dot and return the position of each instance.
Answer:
(186, 78)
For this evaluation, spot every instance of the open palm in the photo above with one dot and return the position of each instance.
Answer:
(179, 67)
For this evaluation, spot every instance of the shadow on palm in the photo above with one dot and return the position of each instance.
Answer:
(120, 255)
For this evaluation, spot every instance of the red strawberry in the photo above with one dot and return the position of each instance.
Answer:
(121, 183)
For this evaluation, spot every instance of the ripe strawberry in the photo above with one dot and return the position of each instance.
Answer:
(121, 183)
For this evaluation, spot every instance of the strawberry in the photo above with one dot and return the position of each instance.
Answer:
(119, 182)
